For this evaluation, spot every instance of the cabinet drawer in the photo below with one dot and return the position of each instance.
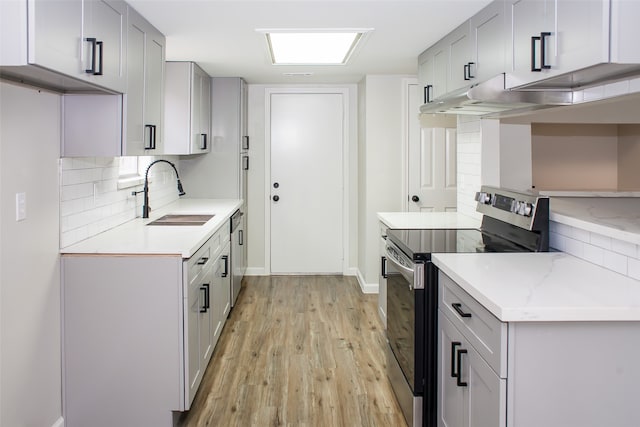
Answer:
(200, 260)
(485, 332)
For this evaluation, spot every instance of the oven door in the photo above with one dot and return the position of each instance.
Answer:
(405, 315)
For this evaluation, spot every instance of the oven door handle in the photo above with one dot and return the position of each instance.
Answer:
(405, 271)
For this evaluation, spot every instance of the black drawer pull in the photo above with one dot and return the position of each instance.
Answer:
(383, 267)
(458, 308)
(203, 261)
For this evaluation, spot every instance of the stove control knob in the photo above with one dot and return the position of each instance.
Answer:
(484, 198)
(528, 208)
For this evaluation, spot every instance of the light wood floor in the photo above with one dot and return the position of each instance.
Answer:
(298, 351)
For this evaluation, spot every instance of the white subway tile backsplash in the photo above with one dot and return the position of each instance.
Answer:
(580, 234)
(574, 247)
(633, 268)
(616, 262)
(593, 254)
(557, 241)
(601, 241)
(91, 202)
(624, 248)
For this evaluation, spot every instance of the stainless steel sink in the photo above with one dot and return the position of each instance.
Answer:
(182, 219)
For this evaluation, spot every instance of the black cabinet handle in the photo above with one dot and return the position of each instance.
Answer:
(459, 381)
(427, 94)
(203, 260)
(383, 267)
(534, 39)
(458, 308)
(543, 50)
(203, 146)
(101, 62)
(469, 75)
(93, 42)
(152, 137)
(225, 273)
(454, 344)
(241, 237)
(466, 72)
(245, 163)
(245, 142)
(206, 305)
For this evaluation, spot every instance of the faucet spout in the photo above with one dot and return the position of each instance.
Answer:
(145, 207)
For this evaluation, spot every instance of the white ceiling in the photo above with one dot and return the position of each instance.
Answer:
(220, 35)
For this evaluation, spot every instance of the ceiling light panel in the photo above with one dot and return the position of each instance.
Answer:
(312, 47)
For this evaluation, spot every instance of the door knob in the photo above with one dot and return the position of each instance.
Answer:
(415, 198)
(276, 198)
(276, 185)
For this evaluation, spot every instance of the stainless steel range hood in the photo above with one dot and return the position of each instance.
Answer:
(492, 97)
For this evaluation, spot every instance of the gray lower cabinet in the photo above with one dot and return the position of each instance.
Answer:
(532, 374)
(382, 277)
(138, 333)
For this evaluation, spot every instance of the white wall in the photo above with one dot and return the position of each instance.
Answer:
(30, 360)
(380, 161)
(257, 198)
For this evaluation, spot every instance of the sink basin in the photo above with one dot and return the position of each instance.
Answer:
(182, 219)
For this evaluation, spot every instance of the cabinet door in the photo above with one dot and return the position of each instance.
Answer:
(194, 303)
(433, 66)
(489, 50)
(459, 45)
(485, 399)
(201, 112)
(145, 88)
(221, 293)
(154, 87)
(582, 37)
(54, 29)
(105, 21)
(135, 135)
(206, 316)
(530, 18)
(451, 397)
(382, 278)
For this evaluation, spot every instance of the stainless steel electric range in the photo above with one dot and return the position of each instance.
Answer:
(512, 222)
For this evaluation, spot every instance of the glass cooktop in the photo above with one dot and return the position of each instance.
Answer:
(420, 244)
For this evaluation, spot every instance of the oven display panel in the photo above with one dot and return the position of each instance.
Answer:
(503, 202)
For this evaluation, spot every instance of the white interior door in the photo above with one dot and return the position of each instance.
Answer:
(432, 166)
(306, 186)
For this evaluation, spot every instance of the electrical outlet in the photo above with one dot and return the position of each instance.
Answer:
(21, 206)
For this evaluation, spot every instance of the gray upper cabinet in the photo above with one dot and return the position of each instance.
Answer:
(553, 40)
(105, 43)
(473, 52)
(187, 109)
(433, 67)
(71, 44)
(144, 100)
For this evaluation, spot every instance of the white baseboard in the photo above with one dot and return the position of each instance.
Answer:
(59, 422)
(366, 288)
(255, 271)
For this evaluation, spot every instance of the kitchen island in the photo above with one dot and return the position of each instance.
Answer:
(143, 308)
(538, 338)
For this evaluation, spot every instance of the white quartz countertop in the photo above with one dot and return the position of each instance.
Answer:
(618, 217)
(427, 220)
(550, 286)
(136, 238)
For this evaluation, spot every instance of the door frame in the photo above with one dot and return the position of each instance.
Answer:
(346, 143)
(405, 112)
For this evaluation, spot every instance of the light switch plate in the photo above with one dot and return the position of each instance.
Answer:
(21, 206)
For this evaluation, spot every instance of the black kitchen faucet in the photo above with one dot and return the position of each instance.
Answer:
(145, 207)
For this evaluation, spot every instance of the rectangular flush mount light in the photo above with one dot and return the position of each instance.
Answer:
(313, 47)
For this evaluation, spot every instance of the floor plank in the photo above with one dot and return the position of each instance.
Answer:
(298, 351)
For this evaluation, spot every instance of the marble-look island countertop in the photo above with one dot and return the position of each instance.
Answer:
(550, 286)
(617, 217)
(136, 238)
(427, 220)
